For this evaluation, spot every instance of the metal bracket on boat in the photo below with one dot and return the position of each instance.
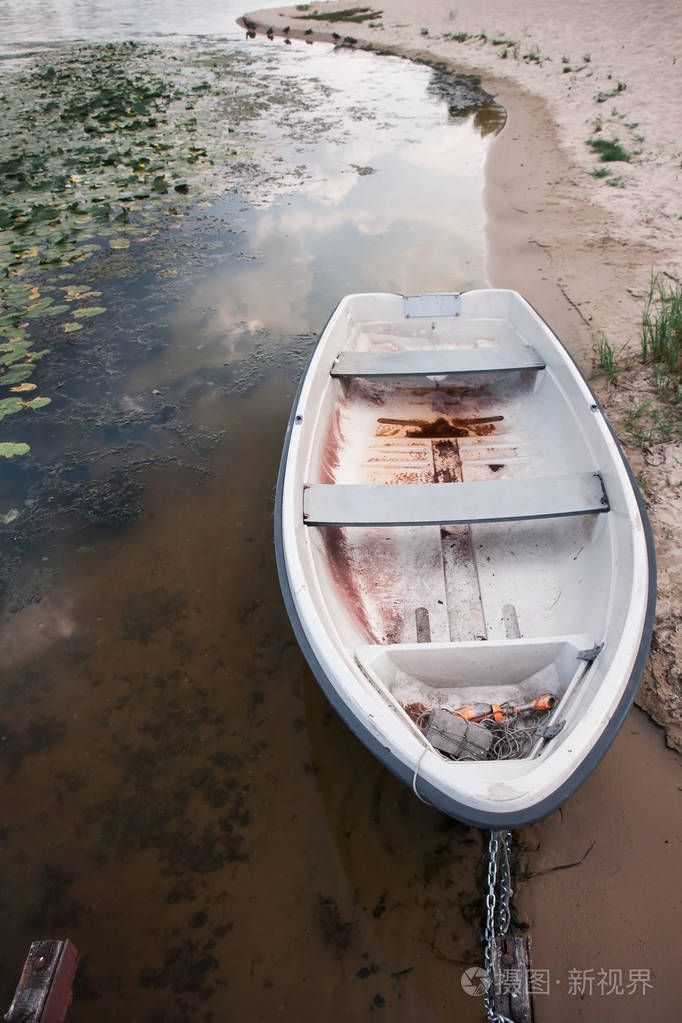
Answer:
(592, 654)
(550, 731)
(432, 305)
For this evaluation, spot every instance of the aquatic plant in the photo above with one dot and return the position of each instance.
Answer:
(96, 146)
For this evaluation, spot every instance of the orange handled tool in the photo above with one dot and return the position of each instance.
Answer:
(495, 712)
(544, 702)
(480, 712)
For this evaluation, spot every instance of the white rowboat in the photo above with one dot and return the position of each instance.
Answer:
(457, 527)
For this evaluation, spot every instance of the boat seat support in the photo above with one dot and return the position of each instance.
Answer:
(339, 504)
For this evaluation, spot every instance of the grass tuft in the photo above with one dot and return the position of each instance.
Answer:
(602, 97)
(606, 356)
(607, 364)
(662, 327)
(659, 418)
(609, 150)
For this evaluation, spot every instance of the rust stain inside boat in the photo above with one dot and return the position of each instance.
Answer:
(447, 463)
(329, 461)
(343, 573)
(443, 426)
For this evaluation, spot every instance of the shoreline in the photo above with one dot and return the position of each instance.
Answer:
(582, 253)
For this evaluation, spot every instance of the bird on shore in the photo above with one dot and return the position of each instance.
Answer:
(270, 33)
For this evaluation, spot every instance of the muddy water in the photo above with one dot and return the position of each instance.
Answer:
(180, 800)
(177, 796)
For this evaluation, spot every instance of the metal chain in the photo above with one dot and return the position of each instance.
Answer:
(506, 890)
(496, 924)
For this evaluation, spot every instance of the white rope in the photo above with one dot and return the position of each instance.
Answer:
(416, 773)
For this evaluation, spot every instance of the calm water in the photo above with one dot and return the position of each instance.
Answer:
(46, 21)
(177, 796)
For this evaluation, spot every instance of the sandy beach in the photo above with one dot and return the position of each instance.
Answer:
(581, 248)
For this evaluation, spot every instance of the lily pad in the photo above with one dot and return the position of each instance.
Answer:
(9, 449)
(16, 375)
(38, 308)
(76, 292)
(13, 352)
(94, 310)
(8, 406)
(37, 403)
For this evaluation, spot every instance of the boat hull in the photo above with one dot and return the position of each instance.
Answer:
(372, 670)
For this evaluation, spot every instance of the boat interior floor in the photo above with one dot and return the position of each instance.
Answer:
(455, 582)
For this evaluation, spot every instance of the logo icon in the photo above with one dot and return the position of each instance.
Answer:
(475, 981)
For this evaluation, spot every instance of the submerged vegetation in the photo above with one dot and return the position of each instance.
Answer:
(128, 173)
(98, 145)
